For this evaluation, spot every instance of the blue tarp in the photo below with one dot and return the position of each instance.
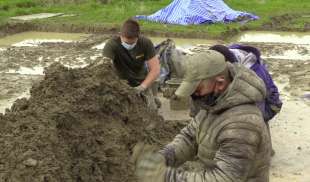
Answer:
(187, 12)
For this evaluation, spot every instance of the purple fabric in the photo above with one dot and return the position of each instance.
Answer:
(306, 96)
(246, 48)
(272, 100)
(273, 96)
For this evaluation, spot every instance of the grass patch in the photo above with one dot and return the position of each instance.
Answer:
(111, 13)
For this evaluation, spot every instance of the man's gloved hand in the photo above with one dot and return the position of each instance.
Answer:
(275, 108)
(151, 168)
(157, 102)
(140, 89)
(150, 165)
(175, 97)
(168, 92)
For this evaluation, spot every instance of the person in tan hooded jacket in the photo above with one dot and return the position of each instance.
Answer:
(228, 136)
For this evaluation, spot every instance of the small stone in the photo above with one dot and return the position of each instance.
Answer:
(2, 166)
(30, 162)
(299, 148)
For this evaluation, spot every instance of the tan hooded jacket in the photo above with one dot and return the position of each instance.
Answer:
(230, 139)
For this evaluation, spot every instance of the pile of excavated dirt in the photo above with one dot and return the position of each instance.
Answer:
(79, 125)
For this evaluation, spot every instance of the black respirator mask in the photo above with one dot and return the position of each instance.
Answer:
(206, 100)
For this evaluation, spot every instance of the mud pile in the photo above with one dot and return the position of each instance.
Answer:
(79, 125)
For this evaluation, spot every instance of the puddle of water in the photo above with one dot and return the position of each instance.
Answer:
(34, 38)
(184, 43)
(9, 102)
(37, 42)
(36, 16)
(274, 37)
(297, 43)
(75, 66)
(37, 70)
(99, 46)
(181, 43)
(39, 36)
(94, 57)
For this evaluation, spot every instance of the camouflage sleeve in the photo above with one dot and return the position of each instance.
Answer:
(183, 147)
(233, 160)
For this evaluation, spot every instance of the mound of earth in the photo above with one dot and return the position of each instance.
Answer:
(79, 125)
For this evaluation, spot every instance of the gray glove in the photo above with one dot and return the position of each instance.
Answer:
(140, 89)
(150, 165)
(175, 97)
(141, 92)
(168, 92)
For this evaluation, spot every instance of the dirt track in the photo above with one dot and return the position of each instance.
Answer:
(291, 139)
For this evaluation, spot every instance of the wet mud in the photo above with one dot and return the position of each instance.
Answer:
(78, 122)
(292, 71)
(13, 86)
(276, 23)
(70, 54)
(78, 125)
(21, 66)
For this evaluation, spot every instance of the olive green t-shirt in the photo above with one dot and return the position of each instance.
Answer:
(130, 65)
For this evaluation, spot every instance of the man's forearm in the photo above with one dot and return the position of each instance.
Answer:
(150, 78)
(153, 74)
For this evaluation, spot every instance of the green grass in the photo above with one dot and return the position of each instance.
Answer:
(92, 12)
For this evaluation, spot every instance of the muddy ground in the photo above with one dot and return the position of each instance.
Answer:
(275, 23)
(78, 125)
(69, 135)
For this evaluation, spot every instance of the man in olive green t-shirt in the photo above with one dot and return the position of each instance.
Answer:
(134, 57)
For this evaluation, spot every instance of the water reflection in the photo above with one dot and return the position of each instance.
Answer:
(40, 37)
(275, 37)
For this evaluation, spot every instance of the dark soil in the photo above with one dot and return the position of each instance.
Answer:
(276, 23)
(281, 22)
(79, 125)
(47, 53)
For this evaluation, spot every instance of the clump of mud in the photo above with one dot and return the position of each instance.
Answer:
(79, 125)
